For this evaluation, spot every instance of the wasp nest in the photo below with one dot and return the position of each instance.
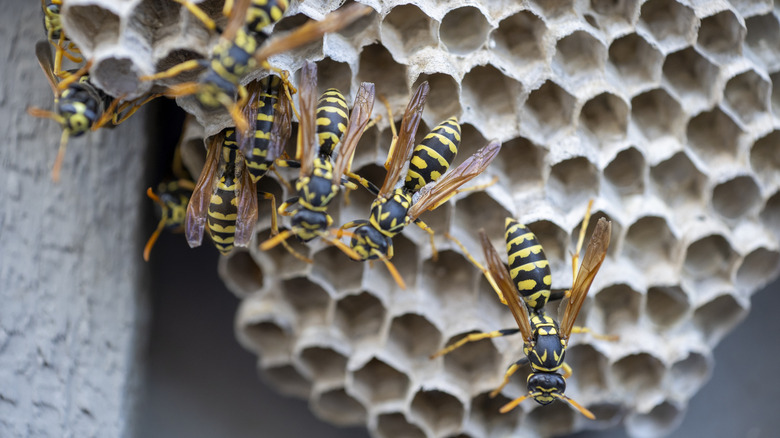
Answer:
(663, 111)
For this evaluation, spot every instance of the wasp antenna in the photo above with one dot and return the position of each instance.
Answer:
(391, 267)
(45, 114)
(55, 170)
(583, 410)
(514, 403)
(153, 238)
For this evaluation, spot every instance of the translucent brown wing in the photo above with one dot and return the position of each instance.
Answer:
(307, 126)
(237, 18)
(432, 196)
(361, 114)
(312, 30)
(247, 206)
(504, 282)
(282, 127)
(197, 209)
(404, 144)
(591, 262)
(245, 139)
(45, 60)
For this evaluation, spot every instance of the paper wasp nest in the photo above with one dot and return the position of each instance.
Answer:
(663, 111)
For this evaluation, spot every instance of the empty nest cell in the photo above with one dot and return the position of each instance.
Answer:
(475, 364)
(160, 18)
(716, 317)
(605, 116)
(485, 414)
(518, 39)
(242, 272)
(661, 420)
(413, 336)
(765, 158)
(579, 54)
(268, 338)
(329, 263)
(450, 279)
(480, 211)
(770, 214)
(666, 305)
(626, 172)
(651, 246)
(690, 373)
(443, 99)
(409, 27)
(736, 197)
(309, 300)
(747, 94)
(287, 380)
(554, 9)
(378, 382)
(548, 111)
(521, 163)
(621, 306)
(285, 264)
(323, 363)
(378, 66)
(573, 182)
(711, 256)
(639, 374)
(395, 425)
(360, 316)
(87, 24)
(440, 411)
(554, 419)
(637, 62)
(338, 407)
(658, 115)
(692, 77)
(334, 74)
(758, 268)
(617, 10)
(763, 38)
(722, 33)
(671, 23)
(589, 368)
(490, 97)
(679, 181)
(464, 30)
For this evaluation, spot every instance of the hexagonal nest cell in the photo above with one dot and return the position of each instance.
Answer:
(664, 114)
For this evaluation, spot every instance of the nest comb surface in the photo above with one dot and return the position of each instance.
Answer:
(665, 112)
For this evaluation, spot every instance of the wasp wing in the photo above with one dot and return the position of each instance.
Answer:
(247, 206)
(312, 30)
(307, 125)
(361, 114)
(245, 138)
(591, 262)
(401, 150)
(197, 209)
(282, 127)
(432, 196)
(45, 60)
(237, 18)
(503, 280)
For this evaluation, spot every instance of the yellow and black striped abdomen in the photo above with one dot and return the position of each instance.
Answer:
(223, 205)
(268, 103)
(528, 265)
(262, 13)
(332, 119)
(433, 156)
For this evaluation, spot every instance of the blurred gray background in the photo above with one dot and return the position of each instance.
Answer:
(200, 383)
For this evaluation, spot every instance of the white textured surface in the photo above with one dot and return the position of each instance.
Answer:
(69, 265)
(663, 111)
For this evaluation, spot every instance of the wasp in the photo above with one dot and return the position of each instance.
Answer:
(529, 280)
(52, 24)
(241, 50)
(395, 208)
(259, 13)
(319, 179)
(171, 198)
(80, 105)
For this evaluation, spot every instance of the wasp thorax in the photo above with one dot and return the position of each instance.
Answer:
(368, 242)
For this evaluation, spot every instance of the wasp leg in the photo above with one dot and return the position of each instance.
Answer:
(473, 338)
(509, 372)
(364, 182)
(576, 256)
(192, 64)
(285, 205)
(479, 266)
(198, 13)
(65, 83)
(429, 230)
(392, 130)
(275, 228)
(133, 107)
